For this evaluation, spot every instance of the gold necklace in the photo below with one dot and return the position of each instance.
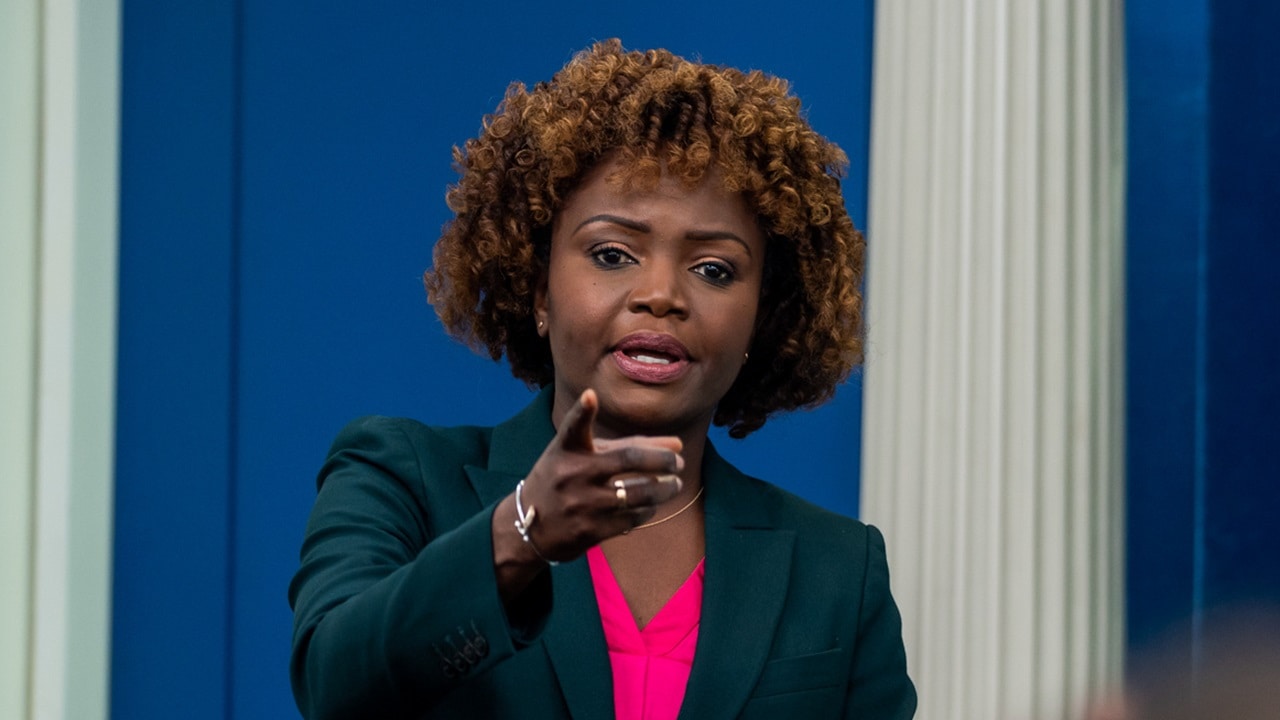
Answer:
(686, 507)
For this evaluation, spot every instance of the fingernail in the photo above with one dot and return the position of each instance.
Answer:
(669, 480)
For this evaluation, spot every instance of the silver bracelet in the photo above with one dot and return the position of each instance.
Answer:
(524, 523)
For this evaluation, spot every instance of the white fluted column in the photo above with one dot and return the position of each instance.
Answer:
(59, 127)
(19, 136)
(993, 438)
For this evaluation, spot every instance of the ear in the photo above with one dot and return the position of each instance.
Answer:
(540, 315)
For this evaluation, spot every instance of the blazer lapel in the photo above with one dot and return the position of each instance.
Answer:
(514, 446)
(747, 570)
(573, 639)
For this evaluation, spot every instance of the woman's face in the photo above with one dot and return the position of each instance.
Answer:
(651, 299)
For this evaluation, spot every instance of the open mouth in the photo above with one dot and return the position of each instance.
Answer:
(653, 348)
(651, 358)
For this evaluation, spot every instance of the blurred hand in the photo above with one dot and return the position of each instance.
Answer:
(573, 486)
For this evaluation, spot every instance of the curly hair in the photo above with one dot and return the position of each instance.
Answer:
(658, 112)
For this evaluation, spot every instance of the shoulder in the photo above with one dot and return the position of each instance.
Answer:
(826, 543)
(402, 471)
(382, 434)
(400, 444)
(789, 511)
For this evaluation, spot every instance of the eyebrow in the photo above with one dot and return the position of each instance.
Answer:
(638, 226)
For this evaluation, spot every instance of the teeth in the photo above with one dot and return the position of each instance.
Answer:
(651, 360)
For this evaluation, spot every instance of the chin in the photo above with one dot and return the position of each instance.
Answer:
(645, 412)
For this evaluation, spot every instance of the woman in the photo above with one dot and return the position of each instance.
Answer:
(659, 245)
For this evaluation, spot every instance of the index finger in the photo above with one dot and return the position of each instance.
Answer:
(661, 442)
(669, 442)
(575, 427)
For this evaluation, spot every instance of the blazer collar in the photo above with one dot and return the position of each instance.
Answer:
(514, 446)
(518, 443)
(747, 571)
(748, 568)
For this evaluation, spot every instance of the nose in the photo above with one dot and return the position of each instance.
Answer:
(658, 290)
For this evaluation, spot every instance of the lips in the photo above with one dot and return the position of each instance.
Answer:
(651, 358)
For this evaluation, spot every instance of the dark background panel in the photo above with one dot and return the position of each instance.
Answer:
(1243, 310)
(1204, 336)
(174, 448)
(1167, 57)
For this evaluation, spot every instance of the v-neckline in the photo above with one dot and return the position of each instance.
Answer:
(673, 622)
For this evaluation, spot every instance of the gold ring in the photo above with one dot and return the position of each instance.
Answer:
(621, 492)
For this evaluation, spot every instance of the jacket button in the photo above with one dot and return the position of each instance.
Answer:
(453, 666)
(478, 641)
(469, 652)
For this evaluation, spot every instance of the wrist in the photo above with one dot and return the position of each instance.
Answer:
(515, 564)
(526, 516)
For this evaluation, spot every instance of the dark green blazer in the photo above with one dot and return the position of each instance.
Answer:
(397, 611)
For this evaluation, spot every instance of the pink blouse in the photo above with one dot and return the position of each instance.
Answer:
(650, 666)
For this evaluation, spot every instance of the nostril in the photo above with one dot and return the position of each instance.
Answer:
(658, 298)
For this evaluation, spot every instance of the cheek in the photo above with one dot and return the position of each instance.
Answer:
(576, 327)
(744, 319)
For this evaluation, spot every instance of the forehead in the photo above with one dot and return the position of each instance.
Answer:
(611, 186)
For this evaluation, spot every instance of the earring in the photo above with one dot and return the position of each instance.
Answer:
(745, 358)
(540, 324)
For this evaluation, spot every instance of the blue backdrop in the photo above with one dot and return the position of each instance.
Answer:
(283, 174)
(1203, 295)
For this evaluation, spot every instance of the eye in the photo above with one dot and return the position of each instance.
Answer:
(717, 273)
(611, 256)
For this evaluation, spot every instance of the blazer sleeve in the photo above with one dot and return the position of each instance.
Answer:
(395, 602)
(879, 687)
